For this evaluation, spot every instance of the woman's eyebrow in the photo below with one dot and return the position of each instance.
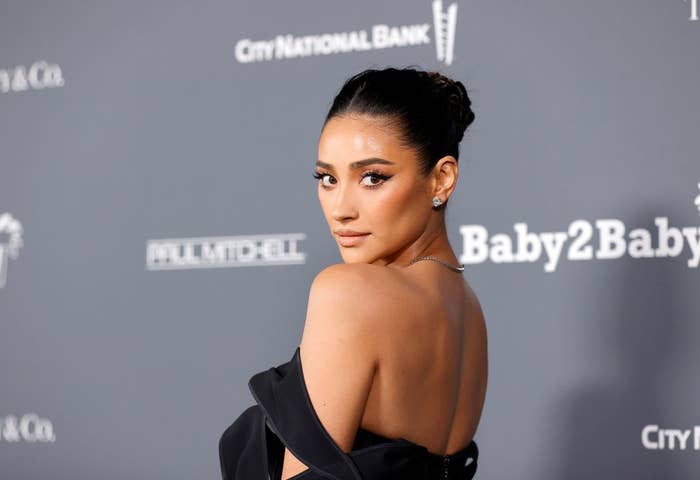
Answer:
(357, 164)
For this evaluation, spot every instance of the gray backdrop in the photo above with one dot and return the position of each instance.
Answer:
(142, 162)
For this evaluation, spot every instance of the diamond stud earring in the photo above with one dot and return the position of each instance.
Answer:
(436, 202)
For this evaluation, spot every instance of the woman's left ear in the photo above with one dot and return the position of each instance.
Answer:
(445, 174)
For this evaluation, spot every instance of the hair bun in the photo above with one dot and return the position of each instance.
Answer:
(458, 101)
(426, 110)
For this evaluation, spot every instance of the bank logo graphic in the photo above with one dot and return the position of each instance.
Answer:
(380, 36)
(30, 428)
(212, 252)
(693, 9)
(445, 25)
(613, 242)
(38, 76)
(10, 243)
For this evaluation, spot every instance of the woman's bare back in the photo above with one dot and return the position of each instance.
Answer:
(431, 382)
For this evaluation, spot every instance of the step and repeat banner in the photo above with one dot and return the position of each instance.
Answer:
(160, 227)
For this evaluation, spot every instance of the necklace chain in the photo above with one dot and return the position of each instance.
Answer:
(459, 269)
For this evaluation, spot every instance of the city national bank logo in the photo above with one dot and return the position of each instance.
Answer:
(30, 428)
(693, 9)
(613, 242)
(380, 36)
(212, 252)
(10, 243)
(657, 438)
(38, 76)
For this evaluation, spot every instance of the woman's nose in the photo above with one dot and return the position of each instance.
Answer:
(343, 203)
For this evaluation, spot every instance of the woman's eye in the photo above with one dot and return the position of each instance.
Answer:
(322, 177)
(325, 177)
(374, 179)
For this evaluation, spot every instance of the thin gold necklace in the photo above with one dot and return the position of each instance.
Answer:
(458, 269)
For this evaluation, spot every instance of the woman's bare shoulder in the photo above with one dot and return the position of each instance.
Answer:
(350, 305)
(370, 290)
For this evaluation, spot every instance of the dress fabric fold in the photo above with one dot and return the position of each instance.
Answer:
(252, 447)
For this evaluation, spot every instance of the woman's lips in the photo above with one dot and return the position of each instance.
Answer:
(351, 240)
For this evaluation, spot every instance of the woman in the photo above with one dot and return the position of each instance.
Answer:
(389, 379)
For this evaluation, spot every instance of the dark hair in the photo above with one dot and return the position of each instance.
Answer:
(430, 110)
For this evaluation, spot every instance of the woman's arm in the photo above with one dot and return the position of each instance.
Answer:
(338, 353)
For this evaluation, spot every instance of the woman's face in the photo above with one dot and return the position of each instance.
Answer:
(371, 185)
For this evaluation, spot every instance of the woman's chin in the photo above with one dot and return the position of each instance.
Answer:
(353, 257)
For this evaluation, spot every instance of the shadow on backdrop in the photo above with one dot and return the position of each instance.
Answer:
(644, 332)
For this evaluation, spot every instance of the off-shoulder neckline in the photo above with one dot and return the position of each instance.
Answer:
(297, 359)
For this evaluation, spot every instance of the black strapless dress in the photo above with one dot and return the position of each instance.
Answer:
(252, 447)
